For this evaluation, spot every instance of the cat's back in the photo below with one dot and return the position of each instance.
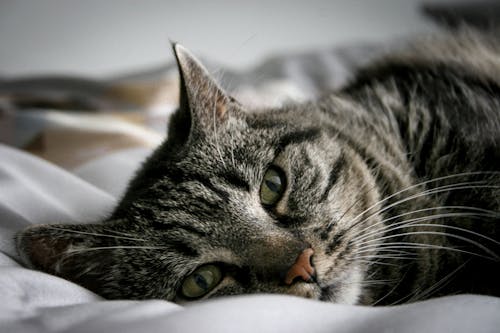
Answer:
(477, 53)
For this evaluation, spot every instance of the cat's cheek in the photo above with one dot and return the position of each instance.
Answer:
(349, 287)
(351, 292)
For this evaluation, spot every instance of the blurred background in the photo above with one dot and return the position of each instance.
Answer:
(86, 83)
(97, 38)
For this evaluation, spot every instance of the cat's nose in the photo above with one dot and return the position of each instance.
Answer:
(302, 268)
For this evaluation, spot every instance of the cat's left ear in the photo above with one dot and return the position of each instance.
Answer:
(51, 247)
(203, 104)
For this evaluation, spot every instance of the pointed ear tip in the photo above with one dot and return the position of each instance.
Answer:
(187, 62)
(175, 46)
(182, 54)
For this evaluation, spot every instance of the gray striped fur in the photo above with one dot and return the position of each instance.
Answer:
(393, 181)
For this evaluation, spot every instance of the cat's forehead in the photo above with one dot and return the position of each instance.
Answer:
(240, 139)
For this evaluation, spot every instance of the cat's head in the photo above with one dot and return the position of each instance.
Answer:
(233, 202)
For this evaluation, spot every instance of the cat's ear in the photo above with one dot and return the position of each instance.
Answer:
(203, 104)
(54, 248)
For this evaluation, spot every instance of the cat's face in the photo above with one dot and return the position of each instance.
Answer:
(226, 206)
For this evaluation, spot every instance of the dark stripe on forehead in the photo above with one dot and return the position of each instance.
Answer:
(233, 178)
(307, 135)
(188, 229)
(333, 176)
(183, 248)
(179, 176)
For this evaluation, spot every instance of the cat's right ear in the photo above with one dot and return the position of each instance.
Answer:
(203, 105)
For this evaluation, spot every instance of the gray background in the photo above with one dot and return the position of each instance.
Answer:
(102, 37)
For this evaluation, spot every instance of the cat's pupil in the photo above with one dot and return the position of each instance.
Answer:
(200, 281)
(274, 184)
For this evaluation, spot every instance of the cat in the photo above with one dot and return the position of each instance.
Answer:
(384, 192)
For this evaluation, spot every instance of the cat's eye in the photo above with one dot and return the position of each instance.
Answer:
(201, 281)
(272, 187)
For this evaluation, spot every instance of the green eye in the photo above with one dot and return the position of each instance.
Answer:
(272, 187)
(201, 281)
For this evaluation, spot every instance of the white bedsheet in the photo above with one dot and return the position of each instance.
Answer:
(34, 191)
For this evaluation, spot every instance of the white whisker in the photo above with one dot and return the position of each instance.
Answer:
(437, 286)
(418, 195)
(216, 134)
(374, 262)
(427, 192)
(485, 213)
(390, 291)
(415, 223)
(438, 233)
(101, 248)
(94, 234)
(422, 246)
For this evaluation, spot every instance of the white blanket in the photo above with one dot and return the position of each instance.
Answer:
(35, 191)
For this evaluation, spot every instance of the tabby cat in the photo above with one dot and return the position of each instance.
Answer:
(385, 192)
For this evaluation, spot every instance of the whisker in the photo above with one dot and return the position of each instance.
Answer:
(402, 299)
(95, 234)
(396, 251)
(382, 257)
(432, 191)
(374, 262)
(232, 150)
(486, 212)
(101, 248)
(438, 233)
(119, 232)
(415, 223)
(427, 192)
(351, 207)
(455, 187)
(391, 290)
(369, 282)
(216, 135)
(424, 246)
(438, 285)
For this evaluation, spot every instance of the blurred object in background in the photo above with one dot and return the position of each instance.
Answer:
(61, 99)
(480, 14)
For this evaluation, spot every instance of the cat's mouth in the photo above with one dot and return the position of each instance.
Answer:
(306, 290)
(327, 293)
(313, 289)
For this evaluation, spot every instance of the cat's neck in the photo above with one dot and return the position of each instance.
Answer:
(433, 126)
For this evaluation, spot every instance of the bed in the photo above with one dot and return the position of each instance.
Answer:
(68, 148)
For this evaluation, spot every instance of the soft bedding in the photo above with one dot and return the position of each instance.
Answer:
(68, 166)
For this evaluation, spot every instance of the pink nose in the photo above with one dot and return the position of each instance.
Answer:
(302, 268)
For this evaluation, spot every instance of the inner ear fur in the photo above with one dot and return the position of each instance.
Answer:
(202, 103)
(46, 247)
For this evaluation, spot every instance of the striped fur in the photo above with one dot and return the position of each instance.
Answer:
(393, 181)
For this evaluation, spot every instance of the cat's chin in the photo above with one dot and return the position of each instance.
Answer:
(330, 293)
(306, 290)
(334, 294)
(343, 288)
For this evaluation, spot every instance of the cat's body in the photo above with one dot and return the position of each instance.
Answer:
(391, 186)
